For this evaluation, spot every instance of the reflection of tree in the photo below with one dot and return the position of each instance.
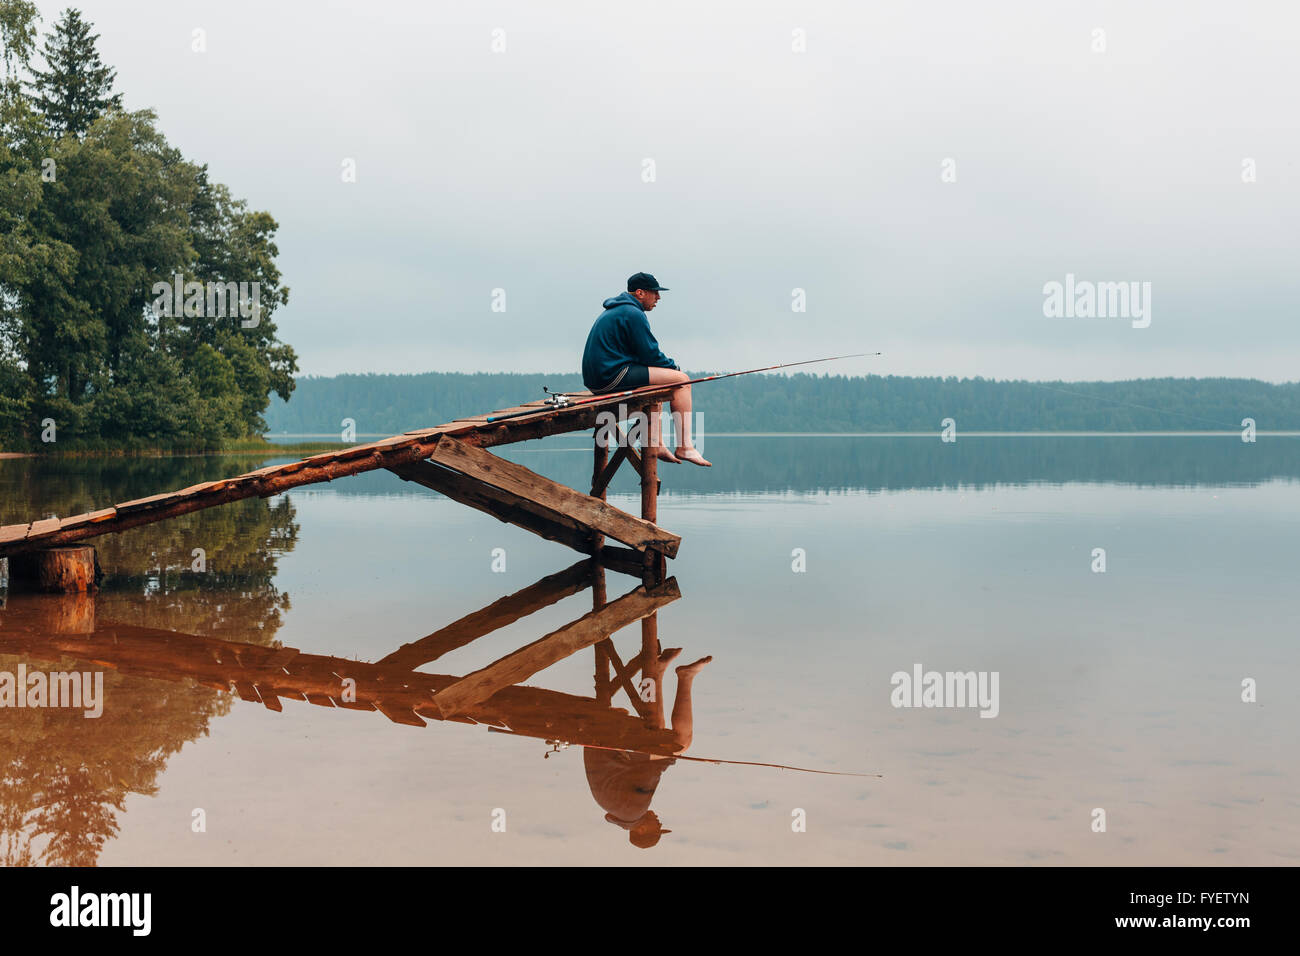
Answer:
(63, 777)
(150, 581)
(805, 464)
(149, 578)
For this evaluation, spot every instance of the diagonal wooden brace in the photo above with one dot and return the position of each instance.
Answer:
(494, 480)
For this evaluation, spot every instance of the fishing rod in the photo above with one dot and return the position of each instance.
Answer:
(562, 400)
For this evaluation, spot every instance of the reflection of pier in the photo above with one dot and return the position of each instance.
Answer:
(54, 627)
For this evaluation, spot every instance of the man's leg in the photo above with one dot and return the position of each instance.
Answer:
(656, 435)
(683, 719)
(681, 410)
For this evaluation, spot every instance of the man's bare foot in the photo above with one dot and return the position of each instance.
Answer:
(667, 656)
(690, 670)
(694, 457)
(665, 455)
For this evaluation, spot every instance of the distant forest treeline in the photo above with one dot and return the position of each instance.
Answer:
(817, 403)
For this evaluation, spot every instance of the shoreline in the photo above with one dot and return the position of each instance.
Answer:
(308, 446)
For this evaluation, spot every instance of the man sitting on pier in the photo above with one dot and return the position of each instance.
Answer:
(622, 354)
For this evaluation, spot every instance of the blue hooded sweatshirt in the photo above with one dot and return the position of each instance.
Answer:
(621, 336)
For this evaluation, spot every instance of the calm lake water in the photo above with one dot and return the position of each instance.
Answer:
(811, 569)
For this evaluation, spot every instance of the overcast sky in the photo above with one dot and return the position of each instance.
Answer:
(774, 170)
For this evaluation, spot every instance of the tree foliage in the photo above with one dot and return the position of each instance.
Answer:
(76, 87)
(97, 212)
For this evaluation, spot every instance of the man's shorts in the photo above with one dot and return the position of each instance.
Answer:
(629, 376)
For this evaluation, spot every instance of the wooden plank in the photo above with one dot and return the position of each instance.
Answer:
(268, 470)
(14, 532)
(399, 714)
(270, 700)
(282, 657)
(623, 560)
(573, 418)
(197, 489)
(502, 613)
(126, 507)
(590, 513)
(322, 458)
(395, 441)
(357, 451)
(40, 529)
(354, 705)
(92, 517)
(499, 504)
(589, 629)
(247, 691)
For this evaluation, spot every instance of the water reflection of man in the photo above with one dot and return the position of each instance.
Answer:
(624, 783)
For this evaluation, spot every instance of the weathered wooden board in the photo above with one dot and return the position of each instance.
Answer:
(43, 527)
(14, 532)
(247, 692)
(590, 513)
(400, 714)
(591, 628)
(500, 505)
(502, 613)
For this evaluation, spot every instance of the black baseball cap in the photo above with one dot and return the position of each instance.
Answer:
(644, 280)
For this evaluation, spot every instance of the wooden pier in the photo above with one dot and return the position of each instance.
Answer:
(59, 627)
(452, 459)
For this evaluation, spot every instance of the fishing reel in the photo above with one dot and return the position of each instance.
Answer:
(556, 746)
(556, 399)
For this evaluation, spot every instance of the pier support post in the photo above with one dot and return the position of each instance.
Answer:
(604, 685)
(654, 561)
(69, 570)
(655, 564)
(599, 461)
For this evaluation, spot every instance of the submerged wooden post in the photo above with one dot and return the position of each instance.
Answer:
(69, 570)
(599, 461)
(604, 686)
(653, 571)
(654, 561)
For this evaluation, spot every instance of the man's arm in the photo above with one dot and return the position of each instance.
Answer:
(644, 345)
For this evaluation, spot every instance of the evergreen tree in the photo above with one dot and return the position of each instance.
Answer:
(76, 88)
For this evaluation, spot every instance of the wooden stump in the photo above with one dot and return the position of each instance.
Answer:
(74, 569)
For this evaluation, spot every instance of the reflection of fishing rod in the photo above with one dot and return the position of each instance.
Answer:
(557, 745)
(562, 400)
(743, 763)
(779, 766)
